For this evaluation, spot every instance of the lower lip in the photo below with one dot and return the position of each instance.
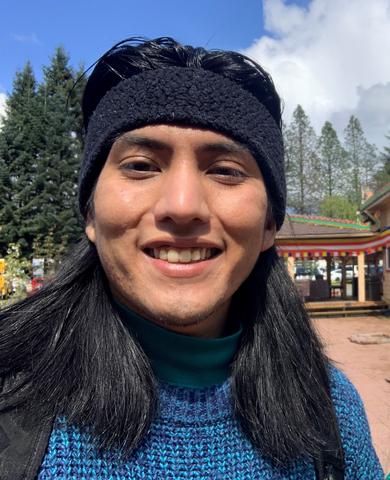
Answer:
(181, 270)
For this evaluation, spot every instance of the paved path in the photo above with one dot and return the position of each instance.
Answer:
(368, 367)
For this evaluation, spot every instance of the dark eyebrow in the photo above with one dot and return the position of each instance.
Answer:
(129, 139)
(223, 147)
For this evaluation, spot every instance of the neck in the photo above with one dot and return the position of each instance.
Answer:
(181, 359)
(215, 325)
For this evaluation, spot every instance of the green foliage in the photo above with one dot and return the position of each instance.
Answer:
(17, 270)
(354, 144)
(17, 274)
(303, 164)
(338, 207)
(15, 264)
(325, 178)
(382, 176)
(58, 168)
(40, 154)
(363, 161)
(21, 143)
(75, 100)
(386, 153)
(46, 247)
(58, 75)
(333, 162)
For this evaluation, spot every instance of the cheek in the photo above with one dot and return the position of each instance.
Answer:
(118, 209)
(243, 218)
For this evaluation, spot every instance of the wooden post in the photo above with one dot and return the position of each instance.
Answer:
(344, 276)
(290, 266)
(361, 279)
(328, 265)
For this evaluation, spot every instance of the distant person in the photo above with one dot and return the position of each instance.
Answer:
(173, 343)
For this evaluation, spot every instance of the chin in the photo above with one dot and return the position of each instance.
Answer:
(180, 314)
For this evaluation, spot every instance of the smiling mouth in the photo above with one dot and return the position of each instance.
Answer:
(182, 255)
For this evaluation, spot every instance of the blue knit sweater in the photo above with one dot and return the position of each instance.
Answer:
(197, 437)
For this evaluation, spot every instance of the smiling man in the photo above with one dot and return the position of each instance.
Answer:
(180, 217)
(173, 344)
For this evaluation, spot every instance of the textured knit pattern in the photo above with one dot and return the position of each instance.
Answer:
(196, 437)
(188, 96)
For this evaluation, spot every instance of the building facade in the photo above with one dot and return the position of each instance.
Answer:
(377, 209)
(360, 250)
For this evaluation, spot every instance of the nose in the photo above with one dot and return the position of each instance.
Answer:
(182, 197)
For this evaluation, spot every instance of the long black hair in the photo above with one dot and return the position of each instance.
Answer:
(67, 351)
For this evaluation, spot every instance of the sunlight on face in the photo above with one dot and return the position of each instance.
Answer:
(180, 218)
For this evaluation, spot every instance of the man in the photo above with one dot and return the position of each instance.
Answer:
(173, 344)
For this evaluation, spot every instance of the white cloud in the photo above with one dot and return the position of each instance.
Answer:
(373, 109)
(332, 58)
(2, 103)
(31, 39)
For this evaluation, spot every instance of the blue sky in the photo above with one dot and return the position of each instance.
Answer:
(327, 55)
(32, 29)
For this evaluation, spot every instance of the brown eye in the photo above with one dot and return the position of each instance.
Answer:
(228, 172)
(139, 167)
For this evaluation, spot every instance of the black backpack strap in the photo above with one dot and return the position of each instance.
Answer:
(326, 470)
(23, 442)
(331, 465)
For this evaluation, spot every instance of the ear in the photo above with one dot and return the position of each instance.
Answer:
(269, 233)
(90, 228)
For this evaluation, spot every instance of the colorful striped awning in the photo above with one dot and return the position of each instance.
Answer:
(333, 247)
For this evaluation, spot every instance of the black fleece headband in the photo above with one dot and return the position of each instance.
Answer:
(187, 96)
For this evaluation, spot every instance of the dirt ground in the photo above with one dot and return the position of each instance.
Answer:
(368, 367)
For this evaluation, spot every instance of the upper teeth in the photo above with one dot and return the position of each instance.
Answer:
(185, 255)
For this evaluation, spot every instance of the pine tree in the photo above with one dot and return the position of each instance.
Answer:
(354, 145)
(382, 175)
(333, 162)
(21, 143)
(60, 76)
(369, 166)
(40, 153)
(363, 160)
(75, 100)
(386, 153)
(302, 164)
(57, 171)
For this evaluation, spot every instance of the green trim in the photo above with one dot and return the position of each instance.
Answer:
(375, 197)
(377, 225)
(180, 359)
(330, 223)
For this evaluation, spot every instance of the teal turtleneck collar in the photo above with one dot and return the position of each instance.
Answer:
(180, 359)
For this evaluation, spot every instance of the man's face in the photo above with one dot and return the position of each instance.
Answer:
(179, 220)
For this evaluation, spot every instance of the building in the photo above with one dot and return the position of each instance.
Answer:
(377, 209)
(360, 250)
